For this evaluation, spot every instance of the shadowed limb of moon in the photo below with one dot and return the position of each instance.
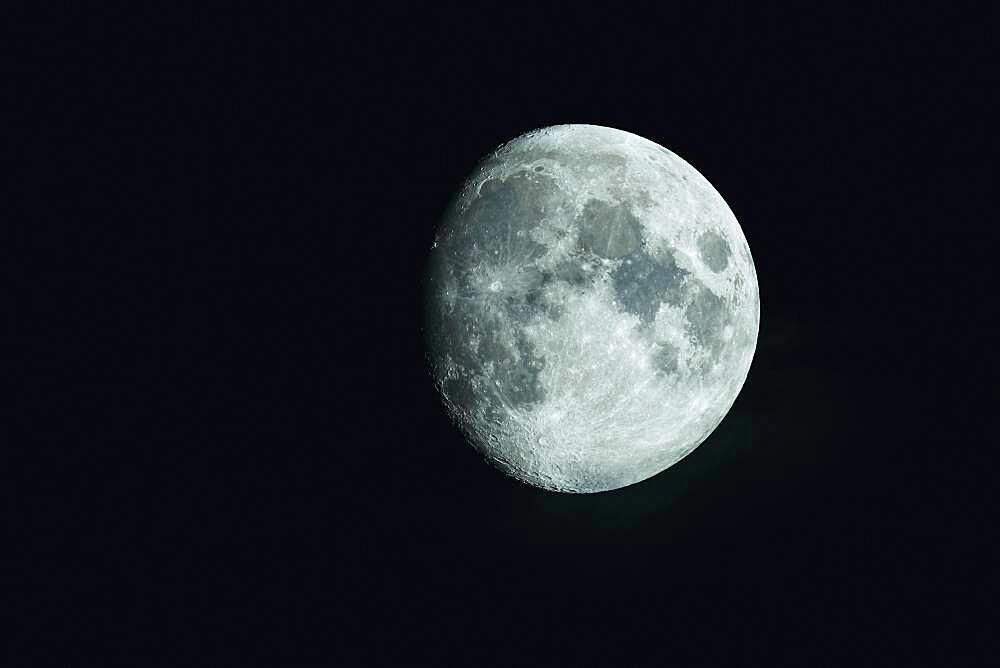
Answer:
(591, 308)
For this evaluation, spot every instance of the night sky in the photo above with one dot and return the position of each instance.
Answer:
(224, 443)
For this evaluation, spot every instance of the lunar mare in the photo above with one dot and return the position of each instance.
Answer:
(591, 308)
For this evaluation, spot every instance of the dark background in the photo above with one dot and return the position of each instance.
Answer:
(224, 447)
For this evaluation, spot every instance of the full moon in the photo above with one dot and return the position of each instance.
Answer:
(591, 308)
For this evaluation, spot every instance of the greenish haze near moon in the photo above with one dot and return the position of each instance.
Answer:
(591, 308)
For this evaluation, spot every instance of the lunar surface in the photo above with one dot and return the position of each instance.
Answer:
(591, 308)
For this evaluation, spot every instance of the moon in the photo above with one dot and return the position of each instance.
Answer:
(590, 308)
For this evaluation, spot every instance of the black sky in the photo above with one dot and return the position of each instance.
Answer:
(224, 443)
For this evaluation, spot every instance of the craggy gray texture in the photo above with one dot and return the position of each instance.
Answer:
(591, 308)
